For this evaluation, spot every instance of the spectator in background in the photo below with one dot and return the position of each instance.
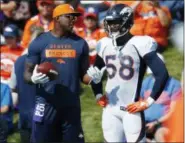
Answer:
(17, 12)
(10, 51)
(175, 123)
(160, 111)
(6, 113)
(43, 20)
(26, 98)
(6, 9)
(26, 95)
(92, 33)
(176, 9)
(153, 20)
(101, 6)
(176, 32)
(79, 22)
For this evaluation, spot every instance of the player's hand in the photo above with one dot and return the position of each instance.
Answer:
(95, 74)
(101, 100)
(39, 78)
(140, 105)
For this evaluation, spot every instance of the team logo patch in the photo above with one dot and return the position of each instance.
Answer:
(60, 61)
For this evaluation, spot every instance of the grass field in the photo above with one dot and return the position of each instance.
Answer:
(91, 113)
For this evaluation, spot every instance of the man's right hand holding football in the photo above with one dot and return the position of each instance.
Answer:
(39, 78)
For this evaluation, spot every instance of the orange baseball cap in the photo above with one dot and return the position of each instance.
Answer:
(64, 9)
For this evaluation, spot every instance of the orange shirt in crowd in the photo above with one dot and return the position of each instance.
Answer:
(8, 58)
(175, 123)
(92, 40)
(31, 25)
(146, 22)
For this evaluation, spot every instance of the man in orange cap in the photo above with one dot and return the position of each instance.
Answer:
(57, 110)
(42, 21)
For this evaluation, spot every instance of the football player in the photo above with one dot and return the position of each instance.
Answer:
(57, 112)
(125, 57)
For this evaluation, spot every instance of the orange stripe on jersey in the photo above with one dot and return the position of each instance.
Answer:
(53, 53)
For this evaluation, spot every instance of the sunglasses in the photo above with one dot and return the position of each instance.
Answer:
(69, 16)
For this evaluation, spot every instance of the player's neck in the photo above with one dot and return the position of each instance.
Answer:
(57, 32)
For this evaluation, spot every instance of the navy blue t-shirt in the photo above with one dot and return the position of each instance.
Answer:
(25, 91)
(70, 55)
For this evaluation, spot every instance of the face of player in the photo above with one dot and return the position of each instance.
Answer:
(45, 9)
(114, 25)
(90, 22)
(67, 22)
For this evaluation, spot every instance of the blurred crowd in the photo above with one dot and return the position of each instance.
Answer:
(21, 21)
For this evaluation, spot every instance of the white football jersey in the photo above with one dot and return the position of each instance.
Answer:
(125, 67)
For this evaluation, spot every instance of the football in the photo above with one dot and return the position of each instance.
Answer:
(49, 69)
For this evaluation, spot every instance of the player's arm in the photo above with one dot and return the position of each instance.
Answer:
(92, 75)
(96, 72)
(87, 74)
(159, 71)
(97, 88)
(149, 55)
(31, 75)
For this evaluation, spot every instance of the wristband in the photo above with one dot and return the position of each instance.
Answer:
(98, 96)
(150, 101)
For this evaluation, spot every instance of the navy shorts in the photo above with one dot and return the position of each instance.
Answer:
(55, 125)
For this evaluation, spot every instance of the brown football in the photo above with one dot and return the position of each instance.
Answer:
(49, 69)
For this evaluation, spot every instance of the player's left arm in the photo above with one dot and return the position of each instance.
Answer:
(97, 88)
(89, 75)
(160, 74)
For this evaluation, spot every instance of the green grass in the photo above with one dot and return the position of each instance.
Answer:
(91, 113)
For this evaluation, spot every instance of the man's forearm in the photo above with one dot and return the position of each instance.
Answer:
(97, 88)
